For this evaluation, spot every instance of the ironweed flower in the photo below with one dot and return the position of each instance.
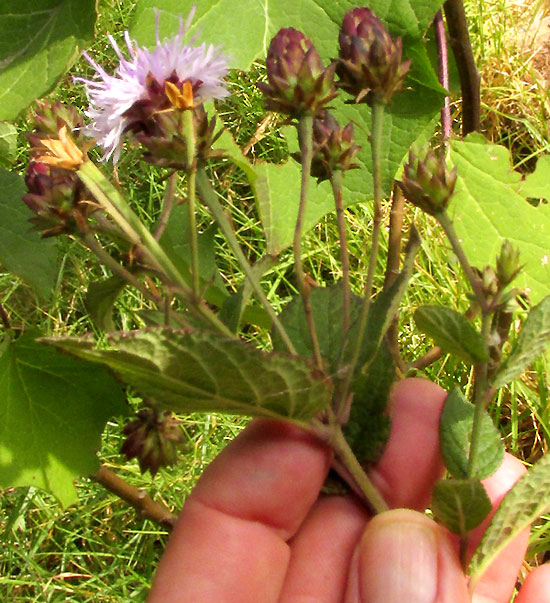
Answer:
(298, 81)
(334, 147)
(428, 183)
(173, 76)
(369, 65)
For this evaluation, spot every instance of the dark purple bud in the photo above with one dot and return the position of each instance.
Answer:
(334, 147)
(369, 64)
(298, 81)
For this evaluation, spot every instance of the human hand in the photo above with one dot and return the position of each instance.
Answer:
(256, 530)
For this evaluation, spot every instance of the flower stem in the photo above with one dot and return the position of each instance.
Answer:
(116, 206)
(208, 197)
(376, 150)
(190, 144)
(336, 181)
(449, 229)
(167, 205)
(305, 135)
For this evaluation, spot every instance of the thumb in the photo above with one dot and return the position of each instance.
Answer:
(405, 556)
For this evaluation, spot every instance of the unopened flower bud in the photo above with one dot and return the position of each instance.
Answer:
(154, 438)
(428, 183)
(369, 65)
(508, 266)
(298, 81)
(334, 147)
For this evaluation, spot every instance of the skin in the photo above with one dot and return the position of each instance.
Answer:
(256, 528)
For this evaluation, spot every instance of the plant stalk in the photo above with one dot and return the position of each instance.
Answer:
(336, 181)
(190, 145)
(208, 197)
(305, 136)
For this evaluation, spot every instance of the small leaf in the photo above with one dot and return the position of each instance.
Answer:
(452, 332)
(199, 371)
(455, 432)
(527, 500)
(40, 41)
(8, 143)
(532, 341)
(99, 301)
(460, 504)
(53, 409)
(22, 251)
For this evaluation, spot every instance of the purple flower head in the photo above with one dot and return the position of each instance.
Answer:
(173, 75)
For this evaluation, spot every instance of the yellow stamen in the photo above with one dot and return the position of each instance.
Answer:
(63, 152)
(181, 99)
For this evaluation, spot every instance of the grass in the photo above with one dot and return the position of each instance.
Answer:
(98, 549)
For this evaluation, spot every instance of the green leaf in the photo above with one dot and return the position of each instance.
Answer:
(490, 205)
(527, 500)
(53, 409)
(100, 299)
(368, 427)
(40, 40)
(22, 251)
(460, 504)
(452, 332)
(200, 371)
(8, 143)
(455, 433)
(327, 308)
(531, 342)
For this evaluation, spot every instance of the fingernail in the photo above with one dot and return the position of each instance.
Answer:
(398, 560)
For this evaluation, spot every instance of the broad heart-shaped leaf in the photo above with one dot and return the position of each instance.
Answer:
(527, 500)
(490, 205)
(199, 371)
(452, 332)
(53, 409)
(8, 143)
(455, 432)
(460, 504)
(411, 115)
(39, 40)
(22, 251)
(532, 341)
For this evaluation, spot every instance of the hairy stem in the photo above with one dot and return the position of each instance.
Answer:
(443, 65)
(347, 458)
(305, 134)
(167, 205)
(336, 181)
(136, 497)
(190, 144)
(208, 197)
(475, 283)
(376, 150)
(467, 71)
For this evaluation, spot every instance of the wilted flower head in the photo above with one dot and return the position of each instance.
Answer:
(172, 76)
(428, 183)
(55, 193)
(334, 147)
(298, 81)
(154, 438)
(369, 65)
